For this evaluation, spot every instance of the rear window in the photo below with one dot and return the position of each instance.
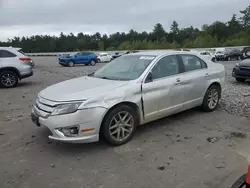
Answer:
(20, 51)
(6, 54)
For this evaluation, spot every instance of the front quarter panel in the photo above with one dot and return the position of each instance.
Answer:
(130, 93)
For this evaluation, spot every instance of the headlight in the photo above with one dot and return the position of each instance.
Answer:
(66, 108)
(237, 64)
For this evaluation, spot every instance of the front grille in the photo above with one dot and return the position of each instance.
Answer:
(44, 107)
(245, 69)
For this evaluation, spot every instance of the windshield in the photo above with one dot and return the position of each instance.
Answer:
(128, 67)
(72, 54)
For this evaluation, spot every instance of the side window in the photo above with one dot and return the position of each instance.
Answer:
(85, 53)
(5, 53)
(167, 66)
(192, 62)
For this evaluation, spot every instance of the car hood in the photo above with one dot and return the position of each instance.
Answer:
(81, 88)
(245, 63)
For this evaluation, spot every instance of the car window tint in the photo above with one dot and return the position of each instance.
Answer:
(166, 66)
(5, 53)
(85, 53)
(192, 62)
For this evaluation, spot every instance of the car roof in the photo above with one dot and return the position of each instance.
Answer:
(161, 52)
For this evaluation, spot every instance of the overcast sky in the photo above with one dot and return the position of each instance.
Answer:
(30, 17)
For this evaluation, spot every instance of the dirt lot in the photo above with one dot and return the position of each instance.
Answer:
(191, 149)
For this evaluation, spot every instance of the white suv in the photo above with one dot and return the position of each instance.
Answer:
(14, 66)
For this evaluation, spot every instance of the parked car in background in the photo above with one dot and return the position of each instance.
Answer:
(104, 57)
(208, 55)
(241, 71)
(131, 90)
(132, 51)
(116, 55)
(219, 56)
(14, 66)
(245, 52)
(86, 58)
(232, 54)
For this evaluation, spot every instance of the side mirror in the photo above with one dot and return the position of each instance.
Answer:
(149, 78)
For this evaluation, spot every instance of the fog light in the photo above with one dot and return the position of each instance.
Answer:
(70, 131)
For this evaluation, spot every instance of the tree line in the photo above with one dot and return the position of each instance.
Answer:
(235, 32)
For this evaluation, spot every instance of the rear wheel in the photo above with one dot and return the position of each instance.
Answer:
(240, 79)
(211, 98)
(8, 79)
(92, 62)
(119, 125)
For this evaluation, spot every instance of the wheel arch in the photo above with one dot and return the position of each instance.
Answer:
(127, 103)
(216, 84)
(11, 69)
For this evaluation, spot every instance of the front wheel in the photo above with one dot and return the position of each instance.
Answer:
(71, 64)
(119, 125)
(211, 98)
(8, 79)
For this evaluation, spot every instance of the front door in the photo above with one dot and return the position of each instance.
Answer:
(163, 95)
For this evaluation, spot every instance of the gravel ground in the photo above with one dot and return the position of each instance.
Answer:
(191, 149)
(236, 98)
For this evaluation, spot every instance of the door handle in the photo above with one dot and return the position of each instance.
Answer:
(206, 75)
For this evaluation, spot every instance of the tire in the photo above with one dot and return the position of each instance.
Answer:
(98, 61)
(239, 183)
(112, 118)
(71, 64)
(12, 79)
(92, 62)
(240, 79)
(210, 104)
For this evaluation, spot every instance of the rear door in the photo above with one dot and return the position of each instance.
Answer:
(195, 79)
(85, 57)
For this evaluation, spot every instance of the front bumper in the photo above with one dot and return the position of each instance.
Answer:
(240, 73)
(84, 119)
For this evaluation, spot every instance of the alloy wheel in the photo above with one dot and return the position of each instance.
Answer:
(213, 98)
(8, 79)
(121, 126)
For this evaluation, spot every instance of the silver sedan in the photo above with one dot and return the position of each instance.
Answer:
(131, 90)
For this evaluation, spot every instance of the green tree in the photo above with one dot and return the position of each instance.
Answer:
(245, 18)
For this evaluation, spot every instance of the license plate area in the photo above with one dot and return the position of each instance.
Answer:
(35, 119)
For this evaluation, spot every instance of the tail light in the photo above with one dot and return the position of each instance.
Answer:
(27, 61)
(248, 177)
(24, 59)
